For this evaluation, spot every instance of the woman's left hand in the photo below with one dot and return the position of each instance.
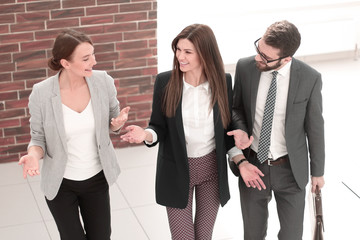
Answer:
(119, 121)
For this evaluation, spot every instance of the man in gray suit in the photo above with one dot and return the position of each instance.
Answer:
(276, 155)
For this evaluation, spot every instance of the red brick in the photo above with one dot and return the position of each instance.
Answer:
(147, 89)
(25, 56)
(33, 16)
(8, 95)
(24, 94)
(140, 98)
(7, 141)
(15, 149)
(120, 27)
(144, 106)
(8, 1)
(106, 47)
(126, 73)
(102, 10)
(105, 38)
(128, 91)
(143, 114)
(43, 5)
(135, 7)
(152, 14)
(78, 3)
(96, 20)
(32, 64)
(149, 71)
(5, 77)
(147, 25)
(2, 107)
(103, 2)
(24, 121)
(9, 86)
(47, 34)
(72, 22)
(152, 61)
(9, 48)
(7, 18)
(104, 66)
(22, 103)
(26, 27)
(16, 131)
(140, 35)
(17, 37)
(12, 113)
(9, 158)
(31, 83)
(36, 45)
(23, 139)
(25, 75)
(12, 8)
(91, 30)
(67, 13)
(131, 45)
(128, 17)
(130, 63)
(7, 123)
(142, 53)
(140, 80)
(7, 67)
(107, 56)
(4, 29)
(153, 43)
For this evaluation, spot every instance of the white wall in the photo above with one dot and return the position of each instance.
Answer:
(325, 25)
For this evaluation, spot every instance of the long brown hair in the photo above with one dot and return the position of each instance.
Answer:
(204, 41)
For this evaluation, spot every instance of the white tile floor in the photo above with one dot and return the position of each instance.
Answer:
(136, 216)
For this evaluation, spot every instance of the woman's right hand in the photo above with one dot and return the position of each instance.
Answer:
(135, 134)
(30, 165)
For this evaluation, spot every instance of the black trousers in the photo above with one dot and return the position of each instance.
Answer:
(89, 197)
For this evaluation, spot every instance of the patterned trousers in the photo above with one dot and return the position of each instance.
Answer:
(204, 180)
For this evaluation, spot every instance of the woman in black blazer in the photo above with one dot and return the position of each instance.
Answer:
(191, 113)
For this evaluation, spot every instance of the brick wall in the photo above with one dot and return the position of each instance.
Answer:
(124, 36)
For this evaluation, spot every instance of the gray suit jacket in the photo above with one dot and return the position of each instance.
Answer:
(304, 124)
(47, 128)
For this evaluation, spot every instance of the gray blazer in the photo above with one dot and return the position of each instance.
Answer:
(304, 123)
(47, 128)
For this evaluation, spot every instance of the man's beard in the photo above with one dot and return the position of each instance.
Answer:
(265, 68)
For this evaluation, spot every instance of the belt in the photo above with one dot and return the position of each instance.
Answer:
(271, 162)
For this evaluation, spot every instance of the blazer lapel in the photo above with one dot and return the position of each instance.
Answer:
(96, 102)
(57, 110)
(293, 86)
(180, 126)
(255, 79)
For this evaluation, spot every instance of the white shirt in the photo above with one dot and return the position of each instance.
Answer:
(83, 160)
(198, 121)
(277, 142)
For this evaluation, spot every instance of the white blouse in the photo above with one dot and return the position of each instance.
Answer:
(83, 160)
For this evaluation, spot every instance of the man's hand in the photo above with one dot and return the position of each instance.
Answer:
(251, 175)
(317, 181)
(241, 138)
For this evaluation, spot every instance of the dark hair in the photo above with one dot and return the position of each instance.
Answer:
(284, 36)
(64, 46)
(204, 41)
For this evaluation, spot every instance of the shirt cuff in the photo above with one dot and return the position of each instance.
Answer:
(154, 136)
(234, 151)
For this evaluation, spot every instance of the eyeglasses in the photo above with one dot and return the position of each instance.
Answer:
(256, 43)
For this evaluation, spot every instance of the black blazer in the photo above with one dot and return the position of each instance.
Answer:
(172, 173)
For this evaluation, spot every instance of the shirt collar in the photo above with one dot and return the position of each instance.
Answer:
(204, 85)
(285, 70)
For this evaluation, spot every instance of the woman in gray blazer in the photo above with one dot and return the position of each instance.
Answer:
(72, 114)
(191, 112)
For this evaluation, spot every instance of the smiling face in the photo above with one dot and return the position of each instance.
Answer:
(269, 53)
(82, 61)
(187, 56)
